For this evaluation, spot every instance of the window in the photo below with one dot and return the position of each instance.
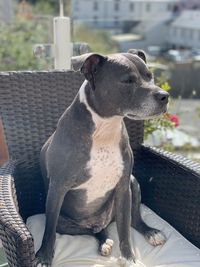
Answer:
(175, 31)
(131, 6)
(191, 34)
(116, 20)
(148, 7)
(116, 6)
(188, 33)
(169, 7)
(96, 6)
(182, 33)
(179, 32)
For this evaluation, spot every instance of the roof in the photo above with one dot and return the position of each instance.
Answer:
(188, 19)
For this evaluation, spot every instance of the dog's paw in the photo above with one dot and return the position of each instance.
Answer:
(43, 259)
(106, 248)
(155, 237)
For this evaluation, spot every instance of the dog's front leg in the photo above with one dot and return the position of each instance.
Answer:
(123, 219)
(54, 201)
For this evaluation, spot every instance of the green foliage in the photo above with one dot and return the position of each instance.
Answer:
(51, 2)
(198, 111)
(50, 7)
(17, 42)
(169, 147)
(161, 81)
(98, 40)
(165, 86)
(151, 126)
(45, 8)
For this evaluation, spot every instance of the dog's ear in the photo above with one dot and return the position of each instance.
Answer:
(139, 53)
(77, 61)
(90, 67)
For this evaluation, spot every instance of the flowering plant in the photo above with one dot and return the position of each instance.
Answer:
(163, 122)
(173, 118)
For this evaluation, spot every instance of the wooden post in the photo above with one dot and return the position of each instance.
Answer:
(3, 146)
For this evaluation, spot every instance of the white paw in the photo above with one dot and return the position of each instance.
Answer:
(156, 238)
(106, 248)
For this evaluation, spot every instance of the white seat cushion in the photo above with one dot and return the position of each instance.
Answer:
(79, 251)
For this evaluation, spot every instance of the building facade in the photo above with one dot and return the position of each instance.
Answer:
(116, 13)
(185, 30)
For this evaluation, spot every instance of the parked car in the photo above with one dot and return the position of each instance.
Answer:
(174, 55)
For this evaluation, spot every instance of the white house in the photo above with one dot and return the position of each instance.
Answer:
(114, 13)
(185, 30)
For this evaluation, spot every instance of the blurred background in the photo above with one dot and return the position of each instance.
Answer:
(167, 30)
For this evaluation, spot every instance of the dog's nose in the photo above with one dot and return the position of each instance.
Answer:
(161, 96)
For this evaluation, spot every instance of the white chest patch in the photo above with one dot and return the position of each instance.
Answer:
(105, 168)
(106, 164)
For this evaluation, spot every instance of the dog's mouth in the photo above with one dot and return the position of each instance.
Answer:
(133, 117)
(147, 117)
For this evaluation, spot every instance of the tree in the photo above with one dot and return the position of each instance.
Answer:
(98, 40)
(17, 41)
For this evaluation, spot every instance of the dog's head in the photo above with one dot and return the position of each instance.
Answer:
(121, 84)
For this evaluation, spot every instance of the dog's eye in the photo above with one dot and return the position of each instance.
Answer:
(128, 80)
(149, 75)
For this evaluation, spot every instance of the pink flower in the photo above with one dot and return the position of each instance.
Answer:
(173, 118)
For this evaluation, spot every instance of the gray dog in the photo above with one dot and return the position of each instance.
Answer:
(87, 162)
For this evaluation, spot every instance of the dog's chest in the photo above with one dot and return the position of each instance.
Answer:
(105, 169)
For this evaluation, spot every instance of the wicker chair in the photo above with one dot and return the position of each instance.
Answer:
(30, 105)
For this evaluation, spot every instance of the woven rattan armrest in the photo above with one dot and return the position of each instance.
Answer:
(16, 239)
(171, 187)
